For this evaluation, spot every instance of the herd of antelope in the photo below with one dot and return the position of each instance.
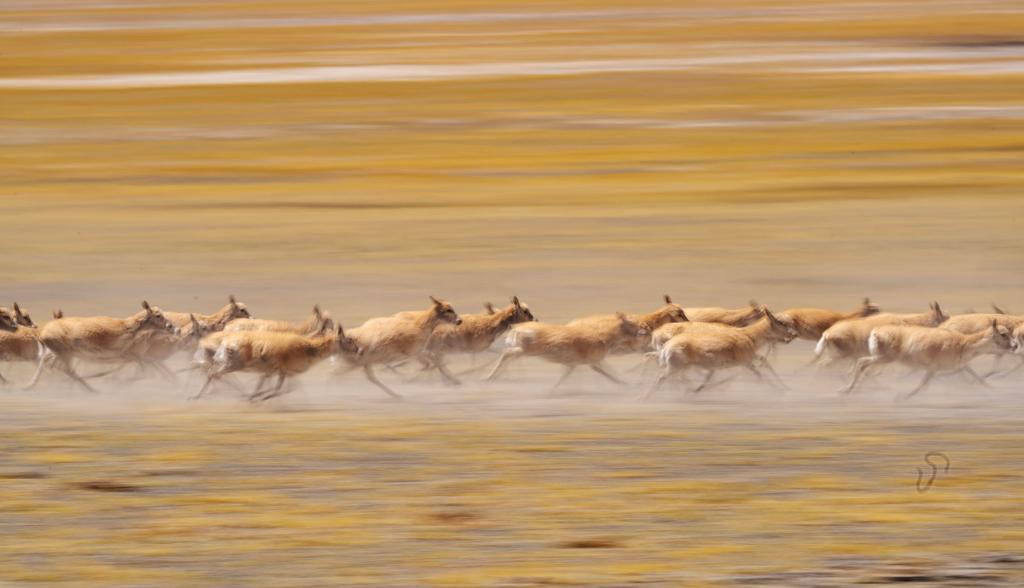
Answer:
(680, 339)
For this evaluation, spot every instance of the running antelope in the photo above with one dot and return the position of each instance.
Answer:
(17, 342)
(216, 321)
(154, 347)
(848, 340)
(671, 313)
(274, 353)
(811, 323)
(714, 347)
(570, 345)
(932, 350)
(20, 316)
(307, 327)
(387, 340)
(967, 324)
(476, 333)
(97, 338)
(735, 317)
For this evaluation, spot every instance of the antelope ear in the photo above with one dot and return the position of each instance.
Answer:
(769, 314)
(341, 331)
(17, 309)
(515, 301)
(867, 301)
(994, 307)
(489, 308)
(435, 301)
(58, 313)
(753, 303)
(668, 299)
(317, 312)
(621, 315)
(231, 300)
(146, 306)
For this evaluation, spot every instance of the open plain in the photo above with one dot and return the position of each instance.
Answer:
(585, 156)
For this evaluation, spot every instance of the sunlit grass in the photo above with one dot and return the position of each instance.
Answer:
(345, 495)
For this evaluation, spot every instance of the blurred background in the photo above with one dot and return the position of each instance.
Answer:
(589, 156)
(798, 153)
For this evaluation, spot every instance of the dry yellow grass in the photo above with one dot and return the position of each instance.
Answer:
(670, 496)
(738, 124)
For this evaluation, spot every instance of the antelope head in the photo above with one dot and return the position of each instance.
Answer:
(1002, 338)
(7, 321)
(675, 312)
(237, 309)
(197, 329)
(522, 312)
(22, 317)
(155, 319)
(779, 330)
(938, 317)
(347, 344)
(868, 309)
(445, 312)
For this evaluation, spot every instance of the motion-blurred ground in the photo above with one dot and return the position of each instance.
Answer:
(589, 156)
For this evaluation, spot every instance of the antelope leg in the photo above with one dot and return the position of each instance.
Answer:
(565, 374)
(924, 383)
(604, 372)
(506, 356)
(704, 384)
(368, 370)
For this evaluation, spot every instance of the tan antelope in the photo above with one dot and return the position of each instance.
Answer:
(274, 353)
(713, 347)
(670, 313)
(216, 321)
(208, 345)
(20, 316)
(152, 348)
(155, 348)
(388, 340)
(17, 342)
(570, 345)
(311, 325)
(8, 322)
(811, 323)
(848, 340)
(967, 324)
(475, 334)
(97, 338)
(734, 317)
(932, 350)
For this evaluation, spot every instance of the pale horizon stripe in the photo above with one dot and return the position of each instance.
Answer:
(427, 72)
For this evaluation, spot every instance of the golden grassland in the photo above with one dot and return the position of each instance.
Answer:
(686, 495)
(759, 144)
